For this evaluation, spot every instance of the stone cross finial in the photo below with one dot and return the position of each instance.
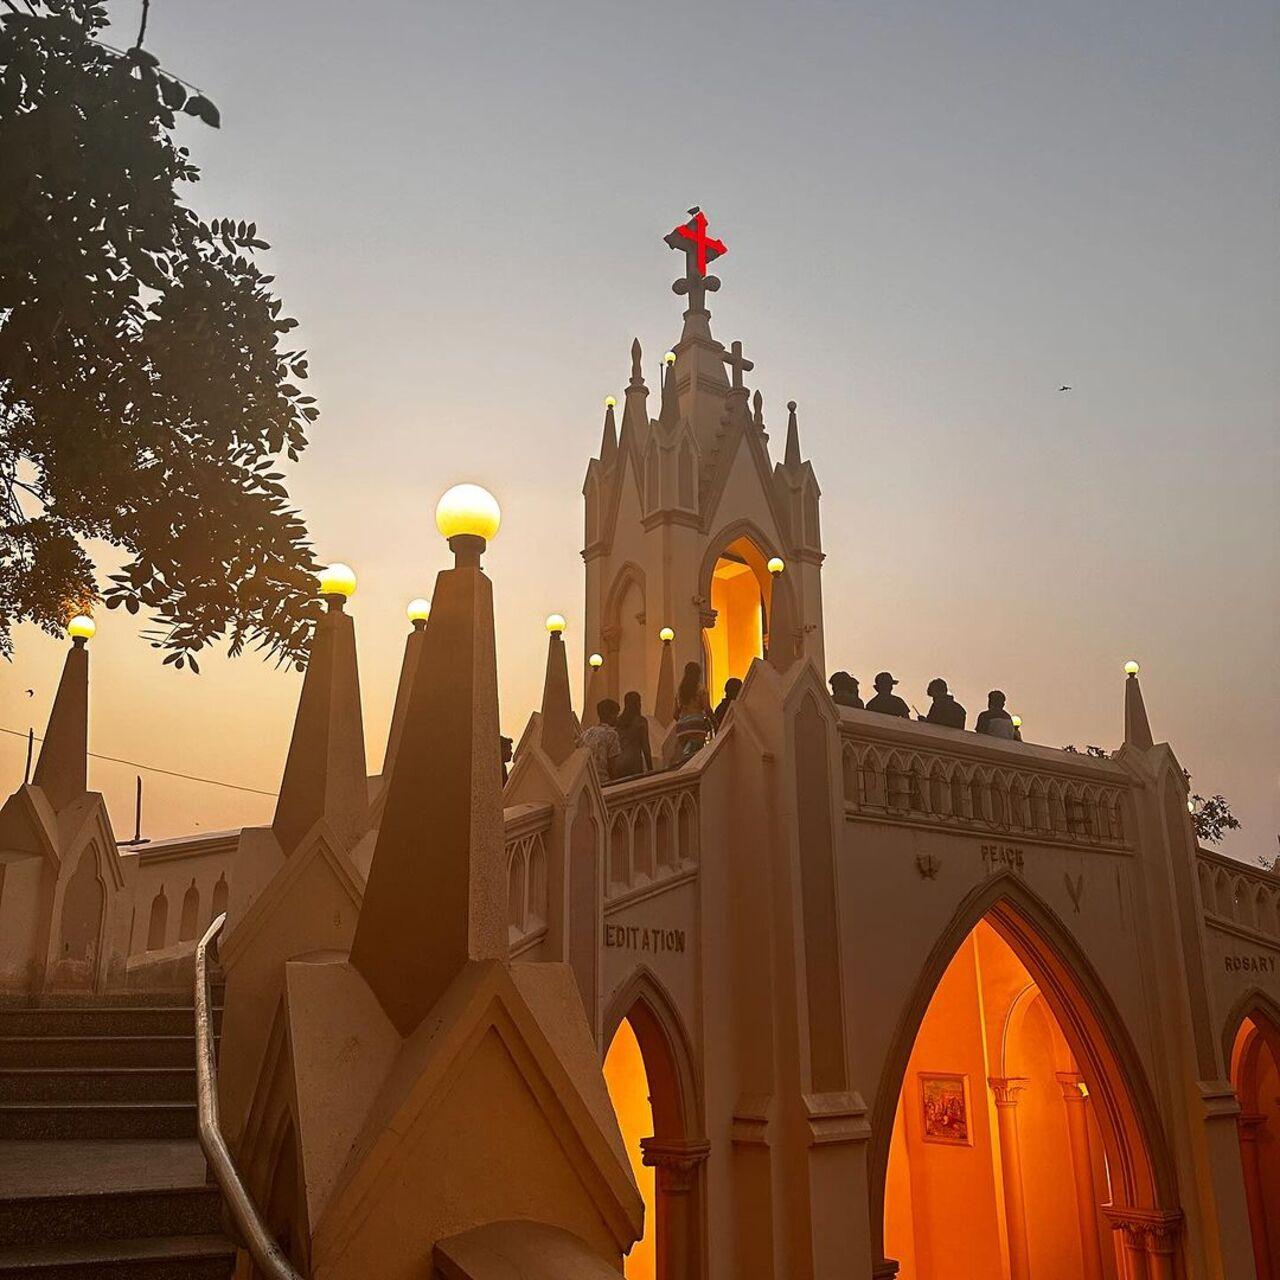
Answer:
(699, 250)
(738, 363)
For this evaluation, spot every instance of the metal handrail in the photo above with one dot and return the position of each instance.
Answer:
(253, 1231)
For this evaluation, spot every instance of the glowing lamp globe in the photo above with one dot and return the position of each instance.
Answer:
(468, 509)
(775, 566)
(555, 623)
(669, 358)
(1131, 668)
(1191, 806)
(666, 635)
(418, 610)
(595, 661)
(338, 580)
(609, 402)
(1017, 722)
(82, 627)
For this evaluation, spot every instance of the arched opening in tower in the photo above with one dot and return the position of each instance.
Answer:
(1255, 1073)
(740, 591)
(628, 1085)
(1003, 1161)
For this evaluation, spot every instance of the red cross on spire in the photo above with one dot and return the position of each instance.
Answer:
(699, 247)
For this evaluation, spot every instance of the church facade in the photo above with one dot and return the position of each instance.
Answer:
(840, 995)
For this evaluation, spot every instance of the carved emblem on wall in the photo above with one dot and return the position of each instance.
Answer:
(927, 864)
(1075, 888)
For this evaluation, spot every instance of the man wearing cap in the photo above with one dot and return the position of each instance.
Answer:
(945, 709)
(844, 690)
(886, 701)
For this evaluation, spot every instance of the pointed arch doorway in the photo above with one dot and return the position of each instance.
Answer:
(1019, 1127)
(1255, 1074)
(647, 1072)
(739, 595)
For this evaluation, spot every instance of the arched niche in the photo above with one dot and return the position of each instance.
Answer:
(1138, 1164)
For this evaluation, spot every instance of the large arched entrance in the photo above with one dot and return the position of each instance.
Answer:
(646, 1070)
(740, 594)
(1019, 1130)
(1255, 1073)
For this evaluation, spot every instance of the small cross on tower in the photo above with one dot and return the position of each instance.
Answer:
(699, 250)
(738, 363)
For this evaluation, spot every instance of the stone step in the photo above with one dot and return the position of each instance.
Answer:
(97, 1051)
(97, 1084)
(195, 1257)
(63, 1120)
(110, 1215)
(109, 1020)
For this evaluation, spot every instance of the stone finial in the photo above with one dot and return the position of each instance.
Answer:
(436, 892)
(637, 376)
(559, 731)
(791, 457)
(324, 773)
(1137, 728)
(62, 770)
(738, 363)
(757, 410)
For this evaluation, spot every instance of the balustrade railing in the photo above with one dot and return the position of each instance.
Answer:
(653, 831)
(924, 784)
(526, 845)
(1237, 894)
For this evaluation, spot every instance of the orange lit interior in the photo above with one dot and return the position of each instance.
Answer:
(628, 1085)
(739, 587)
(1255, 1073)
(1016, 1196)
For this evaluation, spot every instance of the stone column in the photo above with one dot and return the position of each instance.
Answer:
(677, 1165)
(1006, 1090)
(1249, 1126)
(1082, 1167)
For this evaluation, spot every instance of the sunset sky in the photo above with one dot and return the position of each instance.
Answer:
(936, 214)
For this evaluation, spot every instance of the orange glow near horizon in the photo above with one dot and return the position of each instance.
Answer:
(628, 1085)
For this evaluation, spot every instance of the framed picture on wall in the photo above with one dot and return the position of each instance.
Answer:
(944, 1109)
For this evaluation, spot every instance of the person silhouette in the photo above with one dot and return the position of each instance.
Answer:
(886, 701)
(844, 690)
(945, 709)
(692, 713)
(602, 739)
(995, 721)
(633, 731)
(732, 687)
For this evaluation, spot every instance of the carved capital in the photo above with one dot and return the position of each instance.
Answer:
(1006, 1089)
(885, 1269)
(1249, 1126)
(1149, 1231)
(1072, 1083)
(676, 1161)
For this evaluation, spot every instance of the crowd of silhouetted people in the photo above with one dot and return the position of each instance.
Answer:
(995, 721)
(619, 740)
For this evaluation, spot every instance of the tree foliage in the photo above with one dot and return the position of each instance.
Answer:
(1212, 818)
(146, 398)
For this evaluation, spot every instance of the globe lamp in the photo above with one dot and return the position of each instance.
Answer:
(81, 628)
(555, 623)
(595, 661)
(775, 565)
(666, 635)
(337, 582)
(1131, 668)
(418, 610)
(468, 516)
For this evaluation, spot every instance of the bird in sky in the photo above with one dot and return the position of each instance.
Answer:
(1064, 388)
(31, 693)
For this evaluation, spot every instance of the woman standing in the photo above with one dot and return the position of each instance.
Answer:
(633, 730)
(693, 713)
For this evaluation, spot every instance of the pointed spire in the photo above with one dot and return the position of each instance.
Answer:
(782, 627)
(559, 727)
(757, 410)
(62, 770)
(1137, 728)
(637, 376)
(609, 439)
(669, 413)
(408, 669)
(665, 700)
(791, 457)
(324, 773)
(440, 844)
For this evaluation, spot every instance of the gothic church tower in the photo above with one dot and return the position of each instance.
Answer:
(689, 524)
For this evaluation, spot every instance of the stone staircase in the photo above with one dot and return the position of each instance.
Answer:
(100, 1172)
